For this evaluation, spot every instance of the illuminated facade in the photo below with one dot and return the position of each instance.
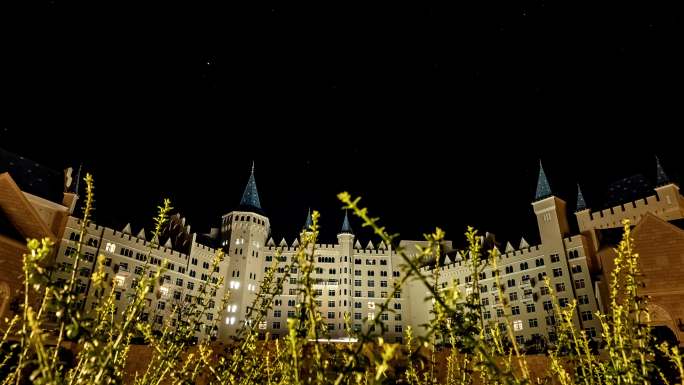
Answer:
(350, 278)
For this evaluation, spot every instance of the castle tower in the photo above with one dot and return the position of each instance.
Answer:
(551, 216)
(243, 233)
(668, 193)
(345, 241)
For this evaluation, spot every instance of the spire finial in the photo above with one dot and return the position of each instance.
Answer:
(661, 177)
(581, 203)
(250, 197)
(543, 188)
(346, 228)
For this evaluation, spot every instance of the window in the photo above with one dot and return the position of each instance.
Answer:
(371, 294)
(290, 314)
(383, 273)
(357, 272)
(383, 262)
(397, 317)
(579, 284)
(532, 322)
(357, 305)
(509, 269)
(277, 313)
(396, 273)
(397, 328)
(583, 299)
(192, 273)
(530, 308)
(371, 283)
(499, 312)
(517, 325)
(544, 290)
(486, 314)
(357, 293)
(523, 266)
(384, 316)
(383, 283)
(331, 303)
(485, 301)
(511, 282)
(550, 320)
(555, 258)
(110, 247)
(179, 281)
(587, 316)
(539, 262)
(548, 305)
(558, 272)
(576, 269)
(513, 296)
(357, 316)
(560, 287)
(590, 332)
(397, 306)
(161, 305)
(205, 265)
(562, 302)
(515, 310)
(191, 285)
(117, 295)
(371, 273)
(357, 282)
(331, 293)
(276, 325)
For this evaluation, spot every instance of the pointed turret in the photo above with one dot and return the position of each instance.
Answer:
(309, 221)
(250, 197)
(661, 177)
(141, 234)
(370, 246)
(543, 188)
(346, 228)
(357, 245)
(283, 243)
(271, 242)
(581, 204)
(127, 229)
(523, 244)
(509, 248)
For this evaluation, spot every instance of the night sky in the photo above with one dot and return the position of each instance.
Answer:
(436, 115)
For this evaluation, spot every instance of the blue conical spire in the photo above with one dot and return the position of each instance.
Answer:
(346, 228)
(661, 177)
(309, 221)
(250, 197)
(581, 204)
(543, 188)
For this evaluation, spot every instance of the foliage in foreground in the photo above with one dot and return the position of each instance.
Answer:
(478, 354)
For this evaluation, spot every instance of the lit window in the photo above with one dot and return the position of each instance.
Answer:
(110, 247)
(371, 316)
(371, 305)
(517, 325)
(120, 280)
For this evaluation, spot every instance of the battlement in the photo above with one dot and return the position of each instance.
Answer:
(668, 206)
